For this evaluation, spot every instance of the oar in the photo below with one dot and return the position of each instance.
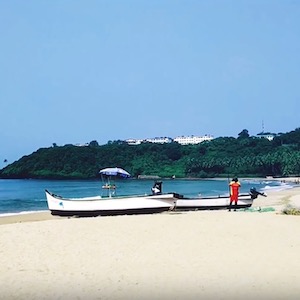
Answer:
(228, 189)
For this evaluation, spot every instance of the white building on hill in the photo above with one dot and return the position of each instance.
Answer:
(186, 140)
(267, 135)
(183, 140)
(160, 140)
(134, 141)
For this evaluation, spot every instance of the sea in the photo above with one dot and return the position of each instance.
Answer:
(21, 196)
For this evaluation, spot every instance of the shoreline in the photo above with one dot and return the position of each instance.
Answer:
(33, 216)
(278, 199)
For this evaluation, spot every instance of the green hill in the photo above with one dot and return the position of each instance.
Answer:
(244, 156)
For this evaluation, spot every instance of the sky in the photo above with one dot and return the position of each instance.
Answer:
(74, 71)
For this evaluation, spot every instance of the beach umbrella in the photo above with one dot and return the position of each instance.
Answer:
(114, 172)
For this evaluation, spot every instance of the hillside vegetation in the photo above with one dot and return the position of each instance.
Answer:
(244, 156)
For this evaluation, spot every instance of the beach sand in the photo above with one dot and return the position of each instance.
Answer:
(189, 255)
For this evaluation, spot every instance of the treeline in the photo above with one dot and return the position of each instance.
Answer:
(244, 156)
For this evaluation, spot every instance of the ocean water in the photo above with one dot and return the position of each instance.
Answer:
(28, 195)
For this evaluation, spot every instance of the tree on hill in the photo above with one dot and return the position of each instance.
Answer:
(244, 134)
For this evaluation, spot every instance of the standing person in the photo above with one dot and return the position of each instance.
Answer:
(234, 187)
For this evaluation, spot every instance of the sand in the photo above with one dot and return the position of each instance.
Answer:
(190, 255)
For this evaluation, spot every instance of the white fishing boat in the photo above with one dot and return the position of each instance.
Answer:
(110, 204)
(215, 202)
(105, 206)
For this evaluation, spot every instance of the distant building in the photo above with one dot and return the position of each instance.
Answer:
(267, 135)
(183, 140)
(160, 140)
(81, 145)
(134, 141)
(186, 140)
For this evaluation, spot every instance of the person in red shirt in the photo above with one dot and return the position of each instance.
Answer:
(234, 187)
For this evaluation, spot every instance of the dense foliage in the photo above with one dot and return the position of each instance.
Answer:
(225, 156)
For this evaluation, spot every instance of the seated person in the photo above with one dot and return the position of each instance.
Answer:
(156, 189)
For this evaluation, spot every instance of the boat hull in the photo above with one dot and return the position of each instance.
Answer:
(113, 212)
(108, 206)
(211, 203)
